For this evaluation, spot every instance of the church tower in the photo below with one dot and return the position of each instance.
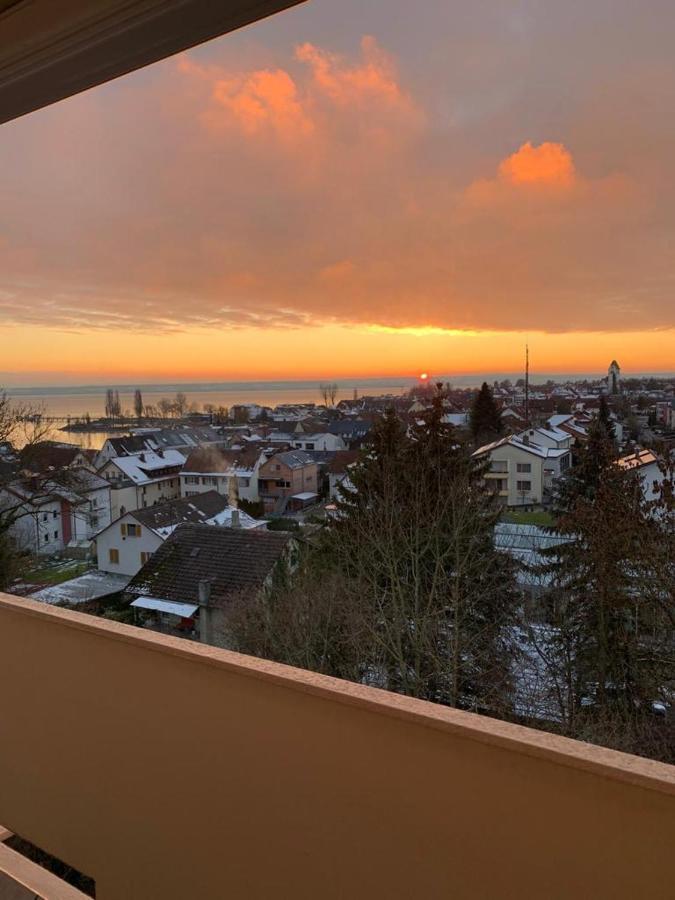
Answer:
(614, 378)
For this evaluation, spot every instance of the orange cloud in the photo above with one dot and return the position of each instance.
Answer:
(549, 164)
(373, 79)
(318, 190)
(264, 99)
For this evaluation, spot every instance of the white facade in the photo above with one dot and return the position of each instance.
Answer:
(521, 472)
(38, 527)
(128, 543)
(645, 463)
(234, 482)
(547, 437)
(154, 476)
(122, 549)
(324, 441)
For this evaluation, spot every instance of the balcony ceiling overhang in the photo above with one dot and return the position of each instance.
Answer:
(51, 49)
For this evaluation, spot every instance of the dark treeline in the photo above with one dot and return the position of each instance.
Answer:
(404, 589)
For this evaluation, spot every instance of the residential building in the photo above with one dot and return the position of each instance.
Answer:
(554, 438)
(233, 473)
(321, 441)
(54, 456)
(183, 438)
(199, 572)
(155, 476)
(41, 516)
(338, 472)
(288, 481)
(128, 543)
(353, 431)
(54, 513)
(91, 504)
(521, 472)
(646, 464)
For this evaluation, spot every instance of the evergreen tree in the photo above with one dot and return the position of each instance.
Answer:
(611, 672)
(416, 543)
(485, 418)
(605, 419)
(138, 403)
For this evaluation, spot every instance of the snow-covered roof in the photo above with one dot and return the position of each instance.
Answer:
(140, 468)
(559, 418)
(89, 586)
(638, 459)
(517, 444)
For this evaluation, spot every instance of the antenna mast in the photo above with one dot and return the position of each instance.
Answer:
(527, 385)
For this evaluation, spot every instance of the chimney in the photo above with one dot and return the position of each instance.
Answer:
(205, 612)
(234, 521)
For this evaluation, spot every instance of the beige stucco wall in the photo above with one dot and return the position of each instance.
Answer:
(512, 456)
(166, 769)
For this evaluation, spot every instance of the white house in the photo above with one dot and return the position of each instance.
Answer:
(41, 520)
(520, 472)
(554, 438)
(128, 543)
(154, 476)
(232, 473)
(51, 515)
(338, 471)
(645, 463)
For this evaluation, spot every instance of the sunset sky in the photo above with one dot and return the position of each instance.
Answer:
(349, 189)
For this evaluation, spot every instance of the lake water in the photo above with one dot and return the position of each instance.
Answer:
(75, 403)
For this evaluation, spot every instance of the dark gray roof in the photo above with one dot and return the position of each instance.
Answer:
(350, 428)
(294, 459)
(197, 509)
(235, 562)
(165, 438)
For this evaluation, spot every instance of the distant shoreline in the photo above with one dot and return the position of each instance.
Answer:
(344, 384)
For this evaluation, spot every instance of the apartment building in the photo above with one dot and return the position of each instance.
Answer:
(521, 472)
(288, 481)
(146, 478)
(127, 544)
(232, 473)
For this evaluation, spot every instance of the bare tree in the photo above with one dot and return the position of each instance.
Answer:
(328, 393)
(180, 405)
(165, 407)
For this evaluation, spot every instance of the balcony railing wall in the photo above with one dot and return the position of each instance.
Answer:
(164, 768)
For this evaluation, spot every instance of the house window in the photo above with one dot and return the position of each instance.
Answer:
(46, 538)
(44, 517)
(55, 515)
(191, 479)
(145, 556)
(524, 486)
(113, 556)
(524, 467)
(130, 530)
(499, 465)
(309, 446)
(56, 535)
